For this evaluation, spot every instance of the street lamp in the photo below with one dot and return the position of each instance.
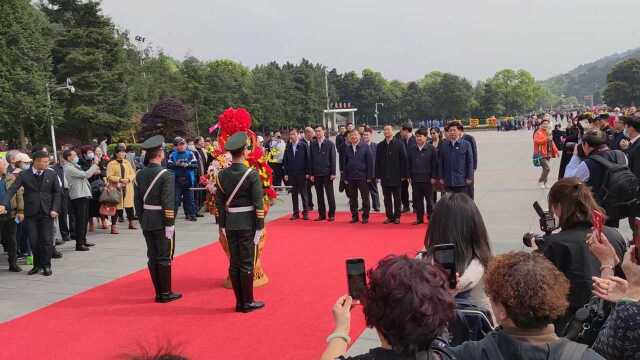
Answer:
(66, 86)
(381, 104)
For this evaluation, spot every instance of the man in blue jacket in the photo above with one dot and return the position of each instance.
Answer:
(357, 172)
(456, 160)
(323, 172)
(184, 165)
(296, 169)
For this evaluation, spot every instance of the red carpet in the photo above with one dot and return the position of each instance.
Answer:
(304, 260)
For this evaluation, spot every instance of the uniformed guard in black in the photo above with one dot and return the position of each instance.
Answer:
(240, 215)
(155, 205)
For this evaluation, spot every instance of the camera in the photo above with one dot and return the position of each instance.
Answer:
(547, 226)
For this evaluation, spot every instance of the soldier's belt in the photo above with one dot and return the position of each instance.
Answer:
(241, 209)
(152, 207)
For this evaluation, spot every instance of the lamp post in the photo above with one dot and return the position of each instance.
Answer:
(381, 104)
(72, 90)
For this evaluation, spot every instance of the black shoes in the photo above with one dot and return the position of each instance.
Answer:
(294, 217)
(56, 254)
(192, 218)
(199, 215)
(34, 271)
(320, 218)
(59, 241)
(417, 222)
(88, 244)
(246, 290)
(165, 294)
(81, 248)
(331, 218)
(14, 268)
(354, 219)
(365, 220)
(305, 216)
(406, 209)
(376, 209)
(387, 221)
(46, 271)
(396, 221)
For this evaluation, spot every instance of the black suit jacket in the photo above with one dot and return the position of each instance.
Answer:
(391, 162)
(633, 153)
(474, 149)
(297, 164)
(41, 196)
(358, 165)
(323, 158)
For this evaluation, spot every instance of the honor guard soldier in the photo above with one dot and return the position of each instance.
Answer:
(155, 206)
(240, 211)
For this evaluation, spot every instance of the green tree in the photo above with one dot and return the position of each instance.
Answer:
(517, 90)
(623, 84)
(24, 71)
(90, 51)
(449, 96)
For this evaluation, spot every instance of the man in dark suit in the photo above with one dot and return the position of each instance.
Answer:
(632, 130)
(474, 150)
(357, 172)
(391, 169)
(455, 160)
(423, 164)
(203, 167)
(323, 172)
(373, 185)
(295, 167)
(41, 206)
(308, 139)
(65, 218)
(409, 141)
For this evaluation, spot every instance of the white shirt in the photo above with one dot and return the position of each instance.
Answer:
(36, 172)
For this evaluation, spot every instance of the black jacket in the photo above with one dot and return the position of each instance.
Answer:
(391, 162)
(41, 196)
(633, 154)
(497, 345)
(323, 158)
(423, 164)
(568, 251)
(358, 165)
(298, 164)
(474, 149)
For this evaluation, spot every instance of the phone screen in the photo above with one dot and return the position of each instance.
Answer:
(445, 255)
(356, 278)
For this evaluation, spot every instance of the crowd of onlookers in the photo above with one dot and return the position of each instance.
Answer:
(94, 191)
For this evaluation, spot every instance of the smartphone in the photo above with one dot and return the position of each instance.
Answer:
(356, 278)
(636, 240)
(597, 219)
(445, 255)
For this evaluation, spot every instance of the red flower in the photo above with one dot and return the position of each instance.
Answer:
(233, 120)
(271, 193)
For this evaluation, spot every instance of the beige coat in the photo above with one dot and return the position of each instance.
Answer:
(113, 176)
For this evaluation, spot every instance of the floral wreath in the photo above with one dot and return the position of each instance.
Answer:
(230, 122)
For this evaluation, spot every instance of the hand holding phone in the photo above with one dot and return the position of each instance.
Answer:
(445, 255)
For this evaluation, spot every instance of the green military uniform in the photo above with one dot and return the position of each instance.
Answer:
(156, 212)
(242, 219)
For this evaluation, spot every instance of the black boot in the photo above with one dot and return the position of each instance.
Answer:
(248, 304)
(13, 264)
(164, 285)
(153, 271)
(237, 290)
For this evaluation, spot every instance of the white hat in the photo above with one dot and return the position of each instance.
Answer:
(22, 157)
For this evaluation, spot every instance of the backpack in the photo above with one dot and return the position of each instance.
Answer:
(470, 323)
(620, 188)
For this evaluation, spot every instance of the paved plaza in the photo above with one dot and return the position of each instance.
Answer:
(505, 189)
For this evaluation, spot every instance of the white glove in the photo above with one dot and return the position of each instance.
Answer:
(169, 231)
(256, 238)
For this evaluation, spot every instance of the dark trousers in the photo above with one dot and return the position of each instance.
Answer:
(159, 249)
(242, 251)
(392, 205)
(458, 189)
(375, 195)
(277, 173)
(199, 199)
(298, 185)
(353, 186)
(120, 213)
(8, 229)
(309, 193)
(421, 194)
(40, 230)
(24, 244)
(405, 194)
(324, 185)
(63, 217)
(81, 214)
(184, 195)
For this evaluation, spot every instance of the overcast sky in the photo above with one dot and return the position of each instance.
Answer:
(403, 39)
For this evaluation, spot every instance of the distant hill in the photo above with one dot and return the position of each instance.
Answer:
(587, 79)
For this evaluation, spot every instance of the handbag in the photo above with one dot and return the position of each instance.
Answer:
(586, 323)
(108, 209)
(110, 195)
(537, 160)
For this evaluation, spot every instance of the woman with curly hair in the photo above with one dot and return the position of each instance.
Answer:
(408, 304)
(527, 294)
